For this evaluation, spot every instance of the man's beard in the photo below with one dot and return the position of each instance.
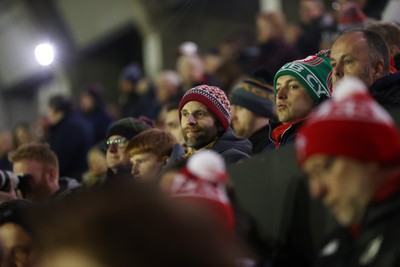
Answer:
(206, 136)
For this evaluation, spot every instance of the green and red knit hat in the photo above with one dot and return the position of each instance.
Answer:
(213, 98)
(350, 124)
(314, 73)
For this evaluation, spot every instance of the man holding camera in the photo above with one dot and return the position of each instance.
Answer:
(37, 169)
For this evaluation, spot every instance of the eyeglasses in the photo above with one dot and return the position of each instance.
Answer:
(119, 143)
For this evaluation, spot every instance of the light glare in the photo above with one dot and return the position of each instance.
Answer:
(44, 54)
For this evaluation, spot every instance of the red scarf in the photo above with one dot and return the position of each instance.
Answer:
(278, 132)
(392, 68)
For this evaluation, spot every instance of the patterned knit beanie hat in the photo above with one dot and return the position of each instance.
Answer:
(313, 72)
(350, 124)
(213, 98)
(254, 95)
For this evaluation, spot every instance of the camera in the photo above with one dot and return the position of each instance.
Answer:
(20, 182)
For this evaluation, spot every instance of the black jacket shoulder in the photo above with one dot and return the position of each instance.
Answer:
(233, 148)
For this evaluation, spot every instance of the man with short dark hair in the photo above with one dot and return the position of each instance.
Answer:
(205, 115)
(70, 136)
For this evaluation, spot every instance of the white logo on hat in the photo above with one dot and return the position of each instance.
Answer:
(295, 67)
(316, 85)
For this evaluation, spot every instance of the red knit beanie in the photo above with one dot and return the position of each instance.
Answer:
(213, 98)
(350, 124)
(202, 182)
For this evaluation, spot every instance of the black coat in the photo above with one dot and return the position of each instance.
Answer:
(71, 138)
(288, 136)
(377, 244)
(387, 91)
(260, 139)
(232, 148)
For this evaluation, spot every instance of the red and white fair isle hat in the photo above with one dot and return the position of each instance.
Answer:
(202, 182)
(350, 124)
(213, 98)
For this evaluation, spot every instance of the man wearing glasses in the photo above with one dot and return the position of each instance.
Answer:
(117, 139)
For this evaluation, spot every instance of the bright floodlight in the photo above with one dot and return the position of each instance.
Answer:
(44, 54)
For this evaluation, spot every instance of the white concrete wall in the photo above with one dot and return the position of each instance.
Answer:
(270, 5)
(18, 39)
(90, 20)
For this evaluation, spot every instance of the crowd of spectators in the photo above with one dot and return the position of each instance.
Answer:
(151, 186)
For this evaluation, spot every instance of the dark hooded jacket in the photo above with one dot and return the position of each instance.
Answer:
(99, 118)
(260, 139)
(71, 138)
(375, 243)
(232, 148)
(386, 91)
(287, 137)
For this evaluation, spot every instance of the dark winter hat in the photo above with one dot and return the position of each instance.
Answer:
(131, 73)
(213, 98)
(127, 127)
(254, 95)
(314, 73)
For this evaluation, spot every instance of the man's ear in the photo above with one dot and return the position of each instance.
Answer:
(165, 160)
(52, 173)
(379, 69)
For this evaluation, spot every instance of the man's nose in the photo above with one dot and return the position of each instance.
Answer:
(134, 170)
(282, 93)
(112, 148)
(338, 70)
(317, 189)
(192, 119)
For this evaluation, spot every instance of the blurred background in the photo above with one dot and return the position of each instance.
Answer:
(93, 40)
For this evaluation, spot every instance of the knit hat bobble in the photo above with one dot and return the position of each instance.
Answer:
(202, 182)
